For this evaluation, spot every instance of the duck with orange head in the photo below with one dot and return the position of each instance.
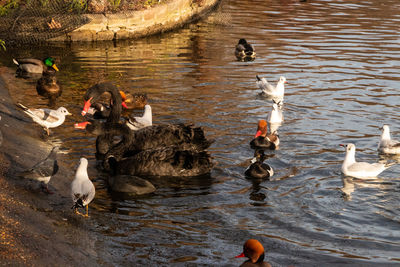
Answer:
(263, 140)
(254, 251)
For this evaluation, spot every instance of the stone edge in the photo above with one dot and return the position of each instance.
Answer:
(136, 24)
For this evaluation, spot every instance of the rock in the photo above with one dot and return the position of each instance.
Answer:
(97, 6)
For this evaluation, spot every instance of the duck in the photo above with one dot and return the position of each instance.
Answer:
(47, 86)
(244, 50)
(254, 251)
(47, 118)
(133, 101)
(136, 123)
(82, 188)
(263, 140)
(133, 185)
(32, 65)
(276, 92)
(258, 169)
(165, 161)
(44, 170)
(361, 170)
(386, 145)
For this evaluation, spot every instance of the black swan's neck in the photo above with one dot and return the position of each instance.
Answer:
(97, 90)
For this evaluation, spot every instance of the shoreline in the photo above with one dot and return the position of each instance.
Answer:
(137, 24)
(37, 229)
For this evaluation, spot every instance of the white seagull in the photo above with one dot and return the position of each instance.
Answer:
(82, 189)
(387, 145)
(47, 118)
(275, 115)
(43, 170)
(136, 123)
(276, 92)
(362, 170)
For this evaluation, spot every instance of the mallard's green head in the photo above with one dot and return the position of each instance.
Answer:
(49, 62)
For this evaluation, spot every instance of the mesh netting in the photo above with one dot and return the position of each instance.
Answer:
(39, 20)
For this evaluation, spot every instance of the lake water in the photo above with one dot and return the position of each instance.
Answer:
(341, 60)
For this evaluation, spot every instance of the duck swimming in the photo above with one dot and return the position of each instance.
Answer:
(244, 51)
(32, 65)
(254, 251)
(135, 101)
(262, 139)
(47, 86)
(258, 169)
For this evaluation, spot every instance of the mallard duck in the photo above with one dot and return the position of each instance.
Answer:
(47, 85)
(244, 50)
(32, 65)
(135, 101)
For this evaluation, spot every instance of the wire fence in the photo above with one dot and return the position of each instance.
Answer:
(39, 20)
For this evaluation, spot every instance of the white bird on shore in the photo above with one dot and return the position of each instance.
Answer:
(276, 92)
(82, 189)
(44, 170)
(47, 118)
(136, 123)
(362, 170)
(386, 144)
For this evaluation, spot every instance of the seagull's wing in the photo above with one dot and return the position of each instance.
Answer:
(264, 85)
(40, 115)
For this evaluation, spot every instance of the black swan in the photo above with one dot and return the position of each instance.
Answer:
(263, 140)
(165, 161)
(182, 136)
(94, 93)
(104, 141)
(259, 169)
(132, 185)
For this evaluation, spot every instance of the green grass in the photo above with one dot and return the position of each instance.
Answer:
(3, 44)
(8, 6)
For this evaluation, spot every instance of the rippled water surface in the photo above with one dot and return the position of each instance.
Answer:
(341, 60)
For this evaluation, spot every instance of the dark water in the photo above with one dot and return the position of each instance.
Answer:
(340, 59)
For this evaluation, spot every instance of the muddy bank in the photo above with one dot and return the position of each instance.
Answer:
(36, 228)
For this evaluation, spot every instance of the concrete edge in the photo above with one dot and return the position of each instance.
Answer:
(136, 24)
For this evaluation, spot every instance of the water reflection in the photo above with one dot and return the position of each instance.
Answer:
(340, 59)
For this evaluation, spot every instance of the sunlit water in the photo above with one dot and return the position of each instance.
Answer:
(340, 59)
